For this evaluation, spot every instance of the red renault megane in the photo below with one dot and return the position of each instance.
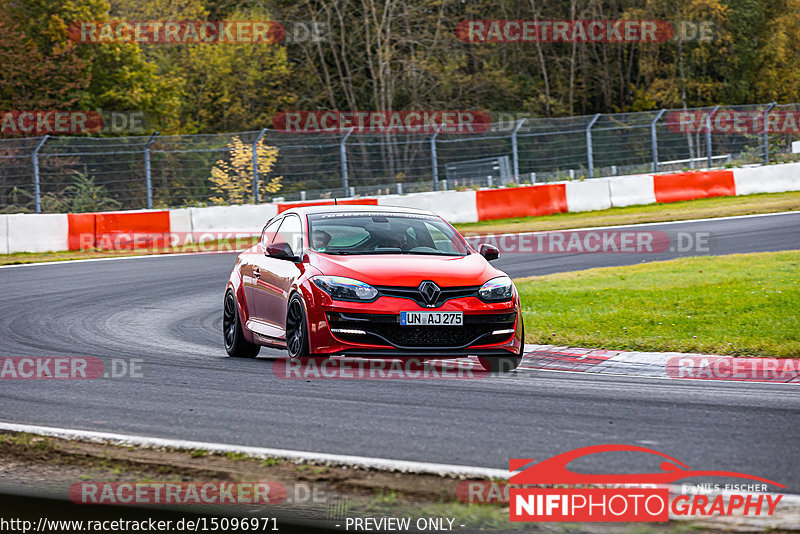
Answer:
(371, 281)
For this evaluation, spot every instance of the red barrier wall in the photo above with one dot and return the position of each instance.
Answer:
(118, 230)
(690, 185)
(81, 234)
(521, 201)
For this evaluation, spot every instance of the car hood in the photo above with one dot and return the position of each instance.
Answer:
(409, 270)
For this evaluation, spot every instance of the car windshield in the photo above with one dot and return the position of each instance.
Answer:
(384, 233)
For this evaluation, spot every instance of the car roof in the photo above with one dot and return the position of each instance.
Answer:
(356, 208)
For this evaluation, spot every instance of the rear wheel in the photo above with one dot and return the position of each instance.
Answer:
(297, 331)
(504, 364)
(235, 343)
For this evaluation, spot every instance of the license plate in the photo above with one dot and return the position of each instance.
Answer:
(425, 318)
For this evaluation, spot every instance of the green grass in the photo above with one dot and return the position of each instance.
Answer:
(674, 211)
(741, 305)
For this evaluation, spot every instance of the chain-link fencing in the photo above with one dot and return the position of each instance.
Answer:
(78, 174)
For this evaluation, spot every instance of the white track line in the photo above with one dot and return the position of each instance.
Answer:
(381, 464)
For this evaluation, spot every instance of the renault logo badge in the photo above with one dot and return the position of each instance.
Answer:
(430, 292)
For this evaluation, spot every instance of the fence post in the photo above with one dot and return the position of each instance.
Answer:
(765, 139)
(256, 198)
(514, 152)
(435, 159)
(147, 179)
(654, 139)
(589, 154)
(343, 152)
(708, 135)
(37, 193)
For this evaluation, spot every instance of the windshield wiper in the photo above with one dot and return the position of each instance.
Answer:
(432, 253)
(377, 252)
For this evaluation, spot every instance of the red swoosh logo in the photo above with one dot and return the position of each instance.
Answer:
(554, 470)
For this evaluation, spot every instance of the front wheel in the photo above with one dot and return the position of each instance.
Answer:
(504, 364)
(235, 344)
(297, 331)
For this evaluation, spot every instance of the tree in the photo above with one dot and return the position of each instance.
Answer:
(224, 87)
(233, 177)
(36, 78)
(69, 75)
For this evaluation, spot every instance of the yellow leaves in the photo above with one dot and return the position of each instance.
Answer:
(233, 177)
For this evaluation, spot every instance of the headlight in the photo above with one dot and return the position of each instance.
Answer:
(497, 289)
(342, 288)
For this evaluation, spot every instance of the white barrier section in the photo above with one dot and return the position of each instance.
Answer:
(246, 219)
(37, 233)
(3, 234)
(180, 221)
(767, 179)
(453, 206)
(588, 195)
(631, 190)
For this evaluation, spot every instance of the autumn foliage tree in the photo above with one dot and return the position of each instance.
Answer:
(233, 177)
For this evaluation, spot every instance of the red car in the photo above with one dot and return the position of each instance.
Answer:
(375, 282)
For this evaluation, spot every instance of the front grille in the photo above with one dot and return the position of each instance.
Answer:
(385, 330)
(414, 294)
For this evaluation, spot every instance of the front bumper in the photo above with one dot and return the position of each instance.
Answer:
(384, 330)
(373, 329)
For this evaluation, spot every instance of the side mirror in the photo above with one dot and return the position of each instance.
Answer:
(281, 251)
(489, 252)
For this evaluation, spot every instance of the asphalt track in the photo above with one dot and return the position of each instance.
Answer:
(166, 312)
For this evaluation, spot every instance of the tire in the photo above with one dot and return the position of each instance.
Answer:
(297, 331)
(504, 364)
(235, 344)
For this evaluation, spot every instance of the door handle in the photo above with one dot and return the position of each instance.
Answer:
(256, 272)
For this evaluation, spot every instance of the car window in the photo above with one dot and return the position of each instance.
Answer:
(268, 234)
(441, 242)
(335, 235)
(383, 233)
(291, 232)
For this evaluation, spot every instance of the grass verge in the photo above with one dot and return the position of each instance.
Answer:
(740, 305)
(675, 211)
